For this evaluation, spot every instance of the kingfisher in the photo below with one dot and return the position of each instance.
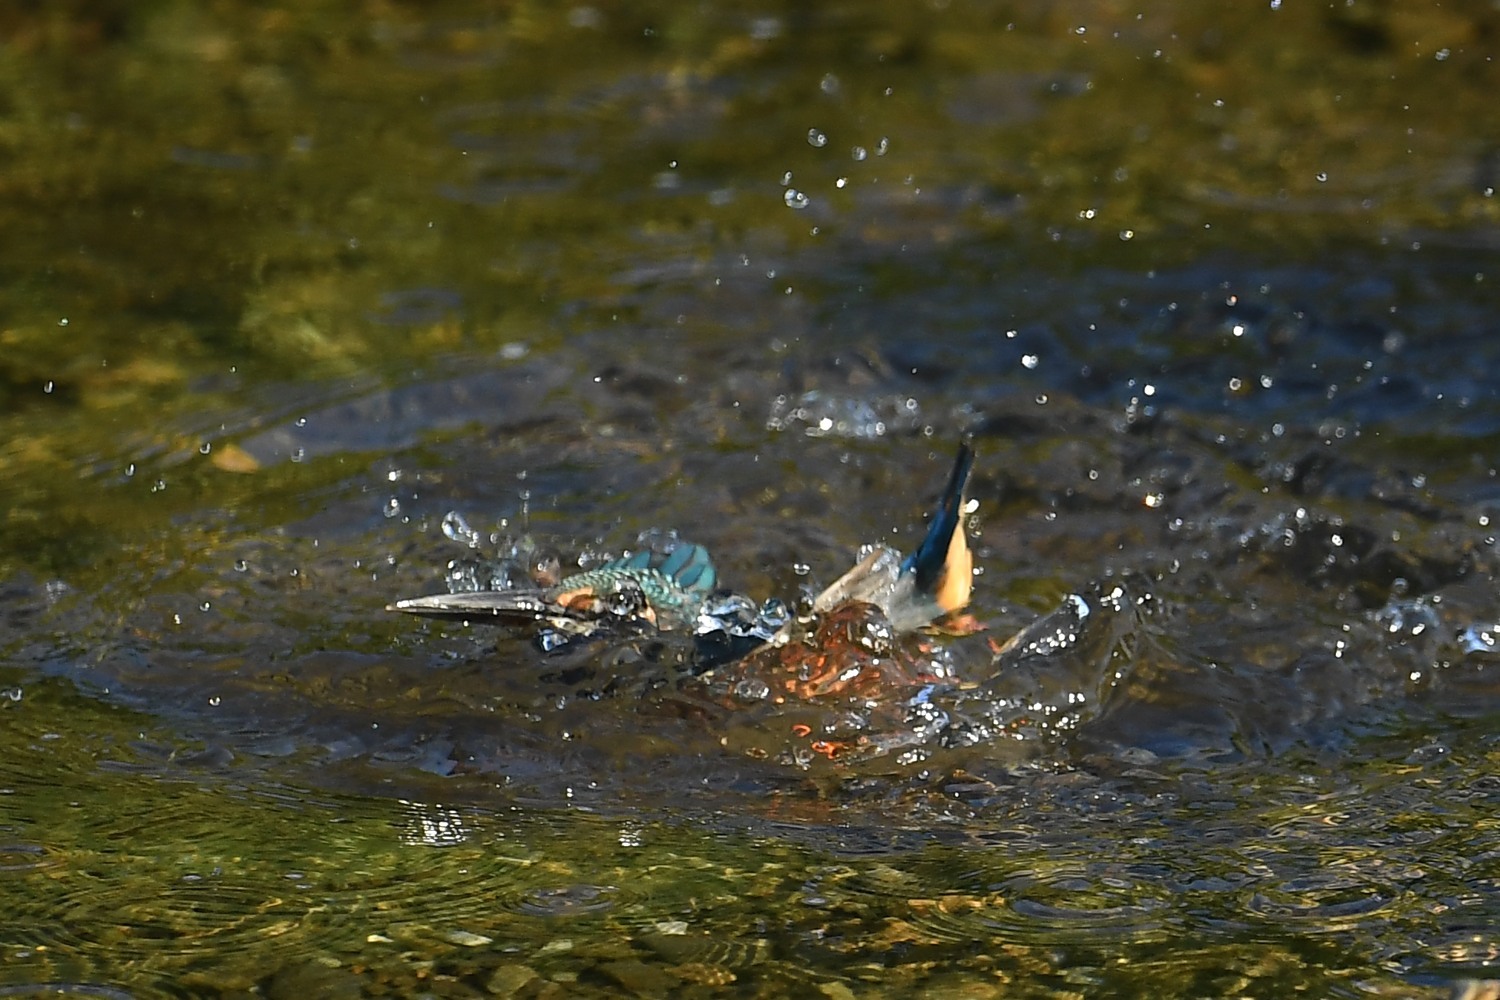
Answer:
(663, 588)
(676, 589)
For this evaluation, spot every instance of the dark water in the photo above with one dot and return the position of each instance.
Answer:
(1210, 287)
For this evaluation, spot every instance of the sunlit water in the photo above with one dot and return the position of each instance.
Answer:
(318, 311)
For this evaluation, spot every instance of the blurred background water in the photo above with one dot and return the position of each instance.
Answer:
(1211, 286)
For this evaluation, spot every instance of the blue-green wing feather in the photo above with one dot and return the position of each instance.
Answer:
(689, 567)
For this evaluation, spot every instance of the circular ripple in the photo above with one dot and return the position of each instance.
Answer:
(566, 900)
(1081, 903)
(1329, 900)
(928, 903)
(681, 947)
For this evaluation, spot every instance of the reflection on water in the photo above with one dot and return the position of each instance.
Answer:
(1210, 287)
(1231, 715)
(1206, 709)
(1060, 879)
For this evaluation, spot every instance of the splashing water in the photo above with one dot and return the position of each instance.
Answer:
(824, 414)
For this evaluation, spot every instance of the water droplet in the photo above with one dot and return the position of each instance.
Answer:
(392, 507)
(795, 199)
(205, 448)
(752, 690)
(816, 139)
(240, 566)
(858, 153)
(457, 529)
(1322, 176)
(582, 17)
(763, 29)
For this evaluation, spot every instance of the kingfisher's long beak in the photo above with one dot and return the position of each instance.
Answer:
(501, 604)
(575, 612)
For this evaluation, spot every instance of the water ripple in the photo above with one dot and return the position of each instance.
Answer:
(1327, 899)
(23, 858)
(1078, 903)
(565, 900)
(65, 989)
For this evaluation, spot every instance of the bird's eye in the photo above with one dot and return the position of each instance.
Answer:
(546, 568)
(625, 598)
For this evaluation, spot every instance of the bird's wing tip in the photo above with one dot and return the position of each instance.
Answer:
(944, 543)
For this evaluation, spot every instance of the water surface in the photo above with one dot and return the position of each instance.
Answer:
(1210, 288)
